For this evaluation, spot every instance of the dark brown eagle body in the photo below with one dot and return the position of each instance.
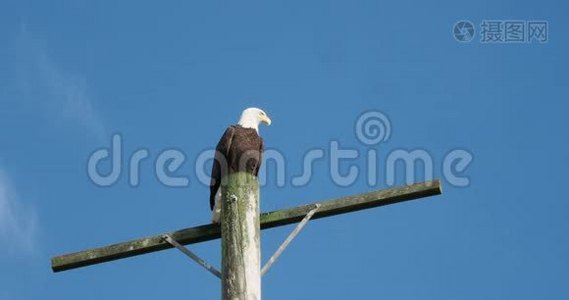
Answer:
(240, 149)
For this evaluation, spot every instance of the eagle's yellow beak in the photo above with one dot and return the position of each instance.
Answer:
(265, 119)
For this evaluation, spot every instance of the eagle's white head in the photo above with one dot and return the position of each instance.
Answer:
(252, 117)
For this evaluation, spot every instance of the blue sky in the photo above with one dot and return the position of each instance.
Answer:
(174, 75)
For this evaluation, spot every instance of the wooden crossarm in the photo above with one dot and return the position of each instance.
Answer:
(268, 220)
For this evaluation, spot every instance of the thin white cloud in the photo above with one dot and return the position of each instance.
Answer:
(18, 222)
(60, 94)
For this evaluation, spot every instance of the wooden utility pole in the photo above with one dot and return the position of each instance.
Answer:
(240, 238)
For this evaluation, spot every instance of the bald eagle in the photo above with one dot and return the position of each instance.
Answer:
(240, 149)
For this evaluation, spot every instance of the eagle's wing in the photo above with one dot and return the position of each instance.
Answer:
(221, 156)
(260, 161)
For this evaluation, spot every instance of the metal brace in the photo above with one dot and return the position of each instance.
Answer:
(193, 256)
(289, 239)
(267, 265)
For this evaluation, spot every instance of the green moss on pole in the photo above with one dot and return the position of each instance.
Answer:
(240, 243)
